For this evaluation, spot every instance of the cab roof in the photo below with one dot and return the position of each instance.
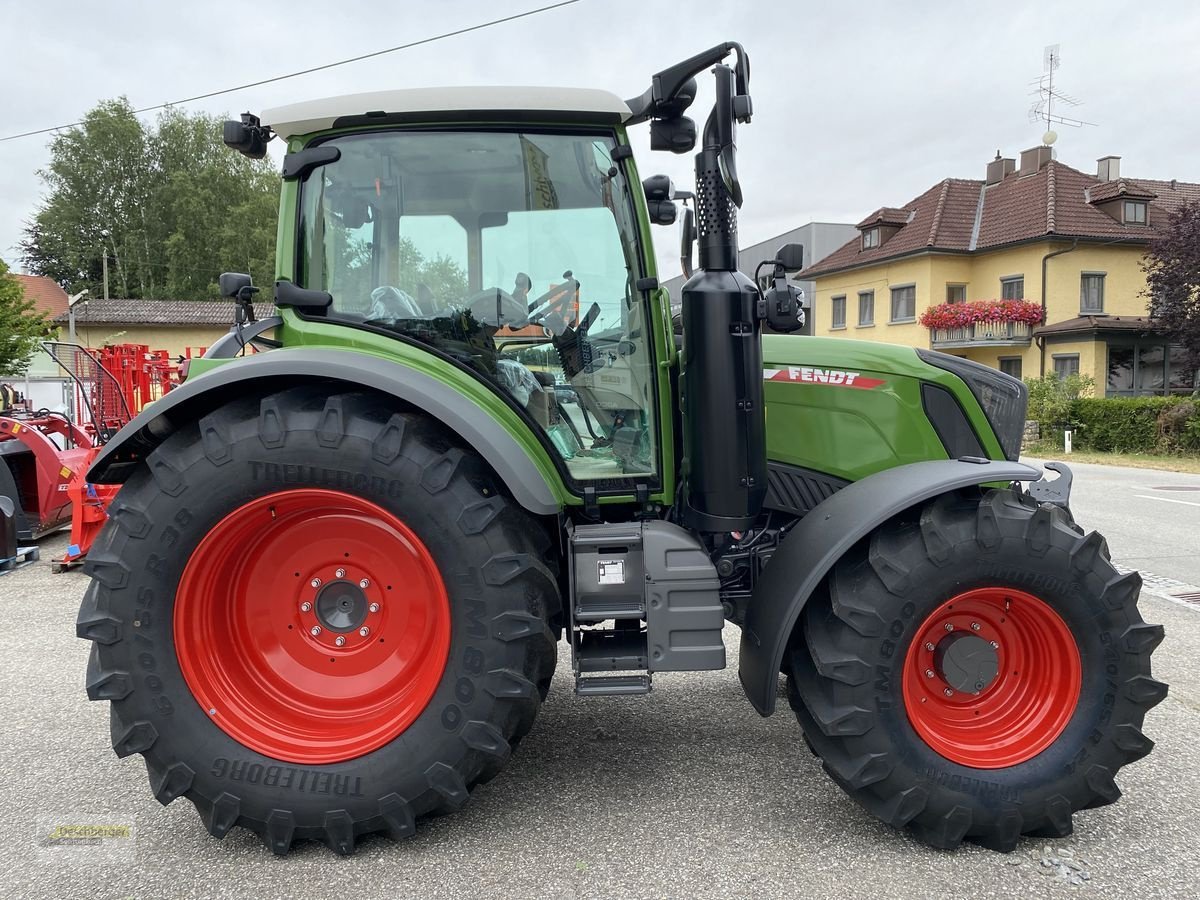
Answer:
(516, 104)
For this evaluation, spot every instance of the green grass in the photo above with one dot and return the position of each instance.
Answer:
(1168, 463)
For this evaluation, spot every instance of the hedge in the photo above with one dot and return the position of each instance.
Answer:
(1136, 424)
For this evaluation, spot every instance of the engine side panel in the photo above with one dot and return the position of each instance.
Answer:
(853, 408)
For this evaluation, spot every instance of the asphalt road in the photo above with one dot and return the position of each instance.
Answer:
(684, 793)
(1150, 518)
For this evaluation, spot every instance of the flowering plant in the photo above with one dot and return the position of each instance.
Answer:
(960, 315)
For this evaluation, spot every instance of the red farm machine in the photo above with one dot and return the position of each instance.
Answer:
(44, 454)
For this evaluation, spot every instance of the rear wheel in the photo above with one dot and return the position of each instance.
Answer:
(976, 671)
(318, 619)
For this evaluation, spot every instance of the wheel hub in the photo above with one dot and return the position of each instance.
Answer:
(966, 662)
(341, 606)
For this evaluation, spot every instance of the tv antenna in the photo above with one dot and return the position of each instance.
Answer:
(1048, 95)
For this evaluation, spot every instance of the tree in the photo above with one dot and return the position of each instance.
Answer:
(169, 205)
(1172, 267)
(21, 325)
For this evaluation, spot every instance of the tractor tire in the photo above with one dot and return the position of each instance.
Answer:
(317, 618)
(976, 670)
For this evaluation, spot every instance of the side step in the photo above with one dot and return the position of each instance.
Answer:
(612, 685)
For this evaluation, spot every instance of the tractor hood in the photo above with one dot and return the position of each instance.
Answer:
(850, 408)
(838, 353)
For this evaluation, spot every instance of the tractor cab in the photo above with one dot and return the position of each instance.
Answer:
(511, 252)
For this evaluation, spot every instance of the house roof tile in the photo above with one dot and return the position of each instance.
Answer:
(1108, 190)
(961, 215)
(1082, 324)
(167, 313)
(45, 293)
(885, 215)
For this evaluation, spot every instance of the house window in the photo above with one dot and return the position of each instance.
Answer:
(1012, 288)
(904, 303)
(1135, 212)
(956, 293)
(1091, 292)
(1180, 378)
(1011, 365)
(838, 319)
(1066, 364)
(866, 308)
(1140, 368)
(870, 239)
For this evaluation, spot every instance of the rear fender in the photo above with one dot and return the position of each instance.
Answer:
(280, 369)
(820, 539)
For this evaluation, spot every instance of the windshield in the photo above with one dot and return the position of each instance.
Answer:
(516, 255)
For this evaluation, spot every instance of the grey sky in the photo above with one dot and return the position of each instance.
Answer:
(857, 105)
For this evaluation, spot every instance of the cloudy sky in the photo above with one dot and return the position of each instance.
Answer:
(857, 105)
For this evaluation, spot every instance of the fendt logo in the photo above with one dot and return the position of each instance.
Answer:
(810, 375)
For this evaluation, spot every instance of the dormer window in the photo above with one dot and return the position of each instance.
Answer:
(870, 239)
(1135, 212)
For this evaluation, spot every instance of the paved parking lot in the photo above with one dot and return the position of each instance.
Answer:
(684, 793)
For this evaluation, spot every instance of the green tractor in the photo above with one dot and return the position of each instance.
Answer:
(328, 598)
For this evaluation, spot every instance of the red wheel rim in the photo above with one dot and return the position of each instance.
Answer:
(1028, 703)
(312, 626)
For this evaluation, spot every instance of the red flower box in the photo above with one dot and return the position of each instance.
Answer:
(961, 315)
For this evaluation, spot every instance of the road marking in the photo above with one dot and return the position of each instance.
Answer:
(1167, 500)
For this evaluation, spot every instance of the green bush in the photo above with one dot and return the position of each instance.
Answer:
(1137, 424)
(1051, 398)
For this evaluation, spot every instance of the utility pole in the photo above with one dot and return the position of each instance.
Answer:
(105, 264)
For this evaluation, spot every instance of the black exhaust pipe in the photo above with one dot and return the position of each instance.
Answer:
(724, 471)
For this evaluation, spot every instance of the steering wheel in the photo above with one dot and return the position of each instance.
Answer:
(497, 307)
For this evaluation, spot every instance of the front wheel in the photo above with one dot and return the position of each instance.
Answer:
(316, 618)
(977, 671)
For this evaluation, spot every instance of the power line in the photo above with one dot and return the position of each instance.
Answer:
(332, 65)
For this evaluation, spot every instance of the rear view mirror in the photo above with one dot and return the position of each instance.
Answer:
(790, 257)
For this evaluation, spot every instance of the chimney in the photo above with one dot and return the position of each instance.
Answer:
(998, 168)
(1108, 168)
(1034, 159)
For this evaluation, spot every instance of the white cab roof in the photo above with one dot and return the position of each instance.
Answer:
(317, 115)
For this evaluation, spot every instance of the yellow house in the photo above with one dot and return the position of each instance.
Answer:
(1068, 243)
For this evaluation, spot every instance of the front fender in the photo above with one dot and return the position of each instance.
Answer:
(286, 368)
(821, 538)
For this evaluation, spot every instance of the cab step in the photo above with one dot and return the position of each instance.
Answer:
(612, 685)
(599, 608)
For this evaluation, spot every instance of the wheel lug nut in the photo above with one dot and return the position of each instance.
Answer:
(948, 692)
(995, 646)
(929, 646)
(365, 583)
(316, 582)
(974, 626)
(340, 573)
(374, 607)
(315, 630)
(949, 627)
(929, 673)
(305, 606)
(364, 631)
(339, 640)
